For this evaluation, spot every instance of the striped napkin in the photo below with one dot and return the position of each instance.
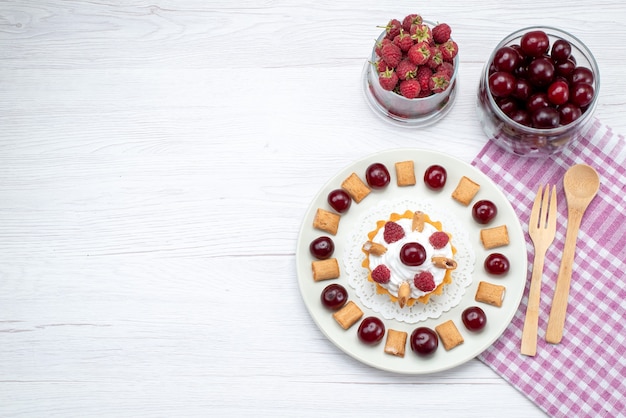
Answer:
(584, 375)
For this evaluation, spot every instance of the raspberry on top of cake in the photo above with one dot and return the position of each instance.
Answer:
(409, 257)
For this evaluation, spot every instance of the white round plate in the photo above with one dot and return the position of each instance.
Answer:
(498, 318)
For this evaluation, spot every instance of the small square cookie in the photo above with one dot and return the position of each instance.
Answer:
(325, 269)
(348, 315)
(449, 335)
(489, 293)
(465, 191)
(497, 236)
(405, 173)
(326, 221)
(355, 187)
(396, 343)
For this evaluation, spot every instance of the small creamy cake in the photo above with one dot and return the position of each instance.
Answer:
(409, 257)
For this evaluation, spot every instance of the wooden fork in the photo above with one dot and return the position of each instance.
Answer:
(541, 228)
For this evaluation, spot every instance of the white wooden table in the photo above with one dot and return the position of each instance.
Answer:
(156, 160)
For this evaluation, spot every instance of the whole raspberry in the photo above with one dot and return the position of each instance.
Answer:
(381, 66)
(379, 46)
(421, 33)
(403, 40)
(449, 49)
(392, 232)
(410, 20)
(424, 281)
(446, 67)
(420, 53)
(410, 88)
(423, 75)
(406, 69)
(381, 274)
(388, 79)
(436, 58)
(439, 239)
(441, 33)
(393, 28)
(391, 54)
(439, 82)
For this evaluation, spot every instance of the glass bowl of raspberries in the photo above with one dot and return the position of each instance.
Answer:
(410, 77)
(538, 91)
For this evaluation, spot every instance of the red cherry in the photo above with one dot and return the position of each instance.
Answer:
(547, 117)
(581, 94)
(521, 116)
(568, 113)
(558, 92)
(377, 176)
(496, 264)
(501, 84)
(371, 330)
(424, 341)
(506, 59)
(534, 43)
(507, 105)
(537, 101)
(541, 71)
(339, 200)
(322, 248)
(334, 296)
(561, 50)
(581, 75)
(565, 68)
(484, 211)
(522, 89)
(413, 254)
(474, 318)
(435, 177)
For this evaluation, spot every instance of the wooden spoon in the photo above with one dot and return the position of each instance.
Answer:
(581, 184)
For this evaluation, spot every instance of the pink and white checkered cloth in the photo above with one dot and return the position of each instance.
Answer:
(584, 375)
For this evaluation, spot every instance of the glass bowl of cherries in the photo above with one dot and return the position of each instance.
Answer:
(538, 91)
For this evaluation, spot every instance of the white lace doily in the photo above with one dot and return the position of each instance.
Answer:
(381, 303)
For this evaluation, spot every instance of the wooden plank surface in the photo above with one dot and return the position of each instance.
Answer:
(156, 160)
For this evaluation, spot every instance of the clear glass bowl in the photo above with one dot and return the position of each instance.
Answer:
(524, 140)
(399, 110)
